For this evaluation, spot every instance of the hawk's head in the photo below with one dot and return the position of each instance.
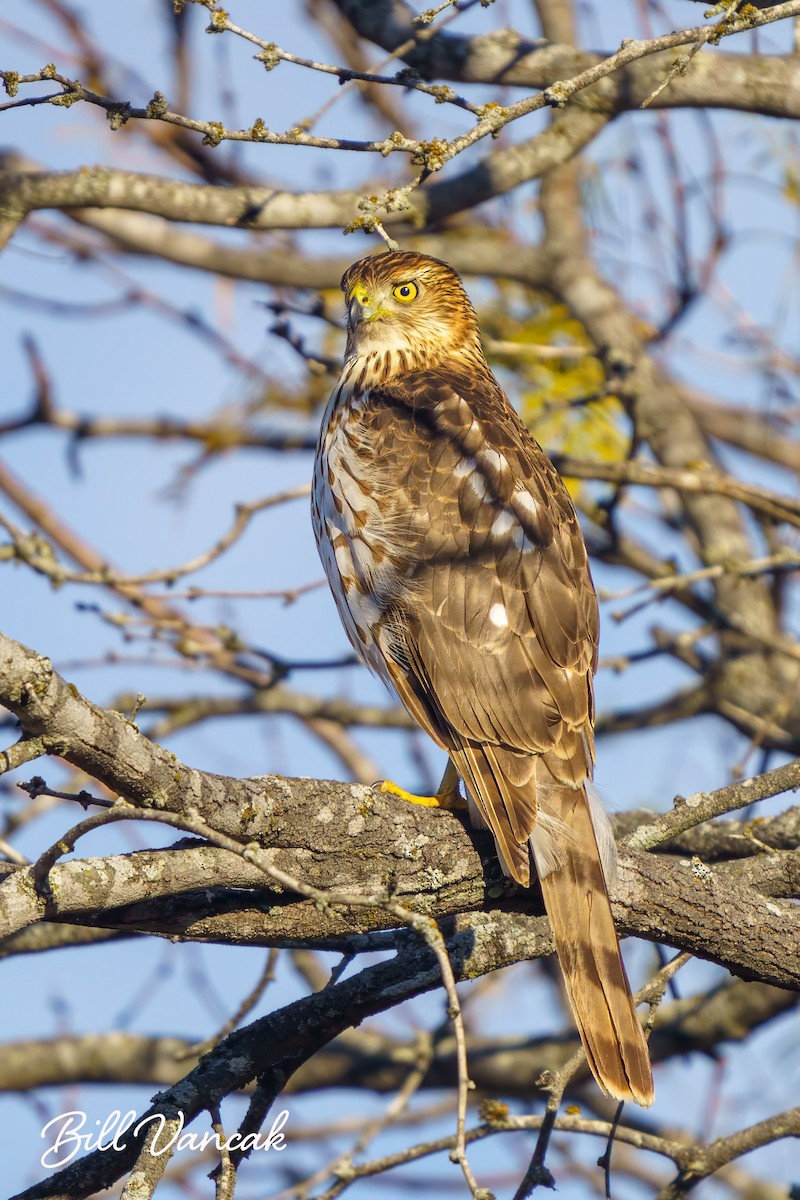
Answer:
(404, 301)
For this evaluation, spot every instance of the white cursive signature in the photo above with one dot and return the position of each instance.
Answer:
(70, 1138)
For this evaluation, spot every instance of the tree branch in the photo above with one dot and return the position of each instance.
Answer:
(309, 830)
(752, 83)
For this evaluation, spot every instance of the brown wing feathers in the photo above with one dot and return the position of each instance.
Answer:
(518, 799)
(554, 822)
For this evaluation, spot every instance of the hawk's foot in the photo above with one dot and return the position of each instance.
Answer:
(448, 795)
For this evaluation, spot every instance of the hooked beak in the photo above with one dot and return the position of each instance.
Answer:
(361, 307)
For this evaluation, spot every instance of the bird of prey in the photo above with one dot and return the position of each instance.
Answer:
(461, 577)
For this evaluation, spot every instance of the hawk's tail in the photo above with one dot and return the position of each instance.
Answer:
(579, 910)
(558, 821)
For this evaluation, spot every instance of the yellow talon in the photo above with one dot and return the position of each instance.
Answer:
(448, 795)
(424, 801)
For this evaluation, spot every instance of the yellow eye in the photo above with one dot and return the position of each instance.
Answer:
(405, 292)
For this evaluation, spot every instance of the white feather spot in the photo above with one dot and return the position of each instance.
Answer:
(494, 460)
(498, 615)
(464, 466)
(362, 557)
(343, 558)
(503, 523)
(478, 484)
(525, 504)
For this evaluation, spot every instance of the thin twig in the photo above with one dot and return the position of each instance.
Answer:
(538, 1174)
(681, 64)
(689, 811)
(247, 1005)
(784, 560)
(157, 1149)
(225, 1174)
(46, 564)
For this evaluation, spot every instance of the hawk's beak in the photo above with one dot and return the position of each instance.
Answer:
(361, 306)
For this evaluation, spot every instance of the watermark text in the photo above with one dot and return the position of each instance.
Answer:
(67, 1135)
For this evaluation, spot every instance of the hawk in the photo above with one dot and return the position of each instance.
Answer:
(461, 577)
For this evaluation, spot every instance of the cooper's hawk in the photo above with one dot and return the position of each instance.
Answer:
(460, 574)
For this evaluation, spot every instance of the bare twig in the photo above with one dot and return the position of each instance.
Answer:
(704, 806)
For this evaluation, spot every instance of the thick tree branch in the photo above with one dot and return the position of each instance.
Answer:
(22, 193)
(311, 830)
(753, 83)
(765, 434)
(748, 682)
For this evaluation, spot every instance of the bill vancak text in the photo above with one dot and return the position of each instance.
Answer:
(67, 1130)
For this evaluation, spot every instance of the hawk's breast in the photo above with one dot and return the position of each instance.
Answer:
(349, 514)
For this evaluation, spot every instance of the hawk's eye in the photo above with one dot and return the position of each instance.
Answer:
(405, 292)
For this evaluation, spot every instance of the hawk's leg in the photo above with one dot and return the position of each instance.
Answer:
(447, 794)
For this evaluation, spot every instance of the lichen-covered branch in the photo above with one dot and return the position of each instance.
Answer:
(345, 839)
